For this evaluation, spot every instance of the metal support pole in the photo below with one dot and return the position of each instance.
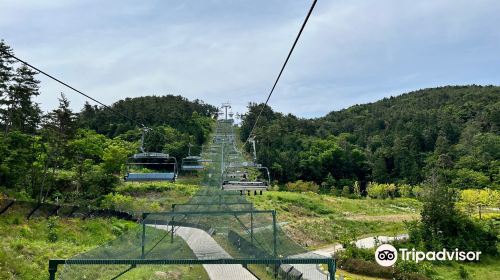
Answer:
(53, 269)
(222, 162)
(331, 269)
(251, 225)
(275, 241)
(172, 229)
(143, 237)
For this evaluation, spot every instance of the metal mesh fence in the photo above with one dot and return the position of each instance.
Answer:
(219, 229)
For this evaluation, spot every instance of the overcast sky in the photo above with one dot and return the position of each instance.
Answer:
(351, 52)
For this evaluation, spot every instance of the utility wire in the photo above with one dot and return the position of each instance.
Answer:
(281, 71)
(70, 87)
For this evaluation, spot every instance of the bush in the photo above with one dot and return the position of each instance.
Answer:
(302, 186)
(410, 269)
(464, 274)
(367, 268)
(52, 223)
(353, 252)
(405, 190)
(346, 191)
(376, 190)
(129, 204)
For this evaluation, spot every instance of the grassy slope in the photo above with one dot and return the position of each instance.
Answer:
(318, 220)
(26, 248)
(154, 196)
(323, 219)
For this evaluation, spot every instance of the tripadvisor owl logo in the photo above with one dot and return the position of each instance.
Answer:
(386, 255)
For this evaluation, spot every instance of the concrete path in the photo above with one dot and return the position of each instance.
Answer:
(368, 242)
(371, 242)
(310, 271)
(205, 247)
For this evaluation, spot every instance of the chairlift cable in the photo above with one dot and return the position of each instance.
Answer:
(70, 87)
(281, 71)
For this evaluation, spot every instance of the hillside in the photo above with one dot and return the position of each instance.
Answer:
(397, 139)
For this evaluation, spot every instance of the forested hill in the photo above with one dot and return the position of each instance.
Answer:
(168, 110)
(398, 139)
(423, 114)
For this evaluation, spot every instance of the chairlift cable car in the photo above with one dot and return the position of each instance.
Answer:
(191, 163)
(150, 166)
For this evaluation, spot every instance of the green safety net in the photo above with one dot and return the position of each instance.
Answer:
(214, 224)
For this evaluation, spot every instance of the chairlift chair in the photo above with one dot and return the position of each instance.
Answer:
(247, 186)
(157, 167)
(192, 163)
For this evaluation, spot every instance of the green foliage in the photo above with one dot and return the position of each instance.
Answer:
(352, 252)
(190, 117)
(444, 226)
(473, 199)
(52, 223)
(301, 186)
(464, 274)
(405, 190)
(363, 267)
(346, 191)
(27, 245)
(395, 140)
(129, 204)
(376, 190)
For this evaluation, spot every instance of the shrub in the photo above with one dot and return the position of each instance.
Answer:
(357, 190)
(346, 191)
(405, 190)
(302, 186)
(52, 223)
(410, 270)
(367, 268)
(353, 252)
(464, 274)
(376, 190)
(417, 191)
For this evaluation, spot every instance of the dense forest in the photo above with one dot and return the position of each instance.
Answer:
(80, 155)
(395, 140)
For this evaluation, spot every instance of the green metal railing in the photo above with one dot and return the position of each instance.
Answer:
(53, 264)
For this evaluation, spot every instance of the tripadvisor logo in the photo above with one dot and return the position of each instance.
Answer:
(386, 255)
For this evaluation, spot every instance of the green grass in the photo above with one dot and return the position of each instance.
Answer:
(26, 248)
(487, 268)
(138, 197)
(316, 220)
(28, 245)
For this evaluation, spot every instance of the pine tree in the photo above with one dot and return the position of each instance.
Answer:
(62, 120)
(24, 113)
(6, 76)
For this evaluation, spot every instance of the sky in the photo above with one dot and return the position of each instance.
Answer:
(351, 52)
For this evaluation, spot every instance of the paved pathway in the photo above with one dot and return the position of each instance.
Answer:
(368, 242)
(205, 247)
(310, 271)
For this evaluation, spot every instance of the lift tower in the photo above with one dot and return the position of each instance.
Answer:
(226, 106)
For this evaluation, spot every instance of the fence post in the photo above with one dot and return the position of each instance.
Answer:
(331, 269)
(143, 239)
(251, 224)
(53, 268)
(275, 241)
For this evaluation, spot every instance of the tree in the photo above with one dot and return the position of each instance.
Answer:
(23, 113)
(443, 226)
(62, 120)
(115, 156)
(6, 76)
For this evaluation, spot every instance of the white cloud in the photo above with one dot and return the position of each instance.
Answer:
(350, 52)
